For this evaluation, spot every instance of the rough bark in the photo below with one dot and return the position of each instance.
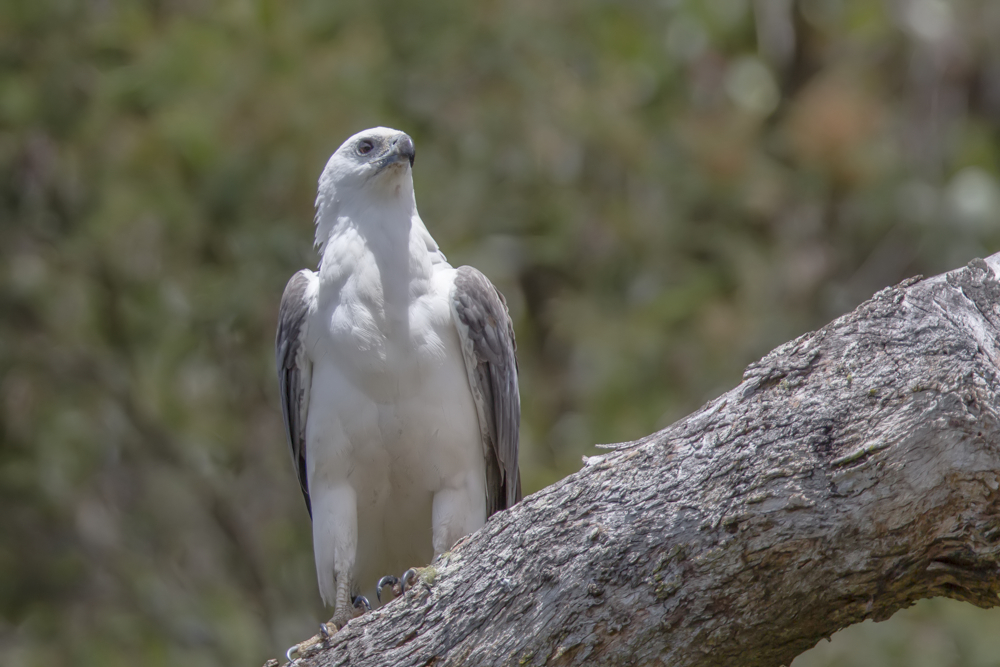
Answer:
(854, 471)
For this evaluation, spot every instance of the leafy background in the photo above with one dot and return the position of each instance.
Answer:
(664, 191)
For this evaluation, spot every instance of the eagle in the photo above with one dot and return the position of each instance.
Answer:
(398, 380)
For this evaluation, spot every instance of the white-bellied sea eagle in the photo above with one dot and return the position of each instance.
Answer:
(397, 377)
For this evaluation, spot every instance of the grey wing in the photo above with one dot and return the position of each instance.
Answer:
(295, 368)
(487, 336)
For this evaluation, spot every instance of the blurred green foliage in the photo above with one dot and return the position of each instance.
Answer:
(663, 190)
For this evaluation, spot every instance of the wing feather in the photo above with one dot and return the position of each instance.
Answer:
(295, 368)
(487, 336)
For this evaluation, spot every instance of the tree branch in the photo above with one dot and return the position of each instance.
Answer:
(854, 471)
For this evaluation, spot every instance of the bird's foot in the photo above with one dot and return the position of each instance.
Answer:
(302, 649)
(341, 616)
(329, 629)
(361, 605)
(389, 582)
(398, 585)
(410, 578)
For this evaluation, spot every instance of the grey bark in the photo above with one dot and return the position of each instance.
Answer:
(854, 471)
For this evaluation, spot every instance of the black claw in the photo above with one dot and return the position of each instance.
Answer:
(409, 579)
(388, 580)
(361, 604)
(323, 630)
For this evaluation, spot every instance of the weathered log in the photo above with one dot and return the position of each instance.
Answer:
(854, 471)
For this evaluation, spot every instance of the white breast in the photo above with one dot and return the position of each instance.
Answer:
(391, 413)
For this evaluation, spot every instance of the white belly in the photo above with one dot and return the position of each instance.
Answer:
(392, 422)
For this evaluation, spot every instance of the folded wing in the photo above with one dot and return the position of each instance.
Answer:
(295, 368)
(487, 336)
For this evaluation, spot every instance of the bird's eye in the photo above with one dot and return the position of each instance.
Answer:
(365, 147)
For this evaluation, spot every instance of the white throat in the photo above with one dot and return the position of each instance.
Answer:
(386, 204)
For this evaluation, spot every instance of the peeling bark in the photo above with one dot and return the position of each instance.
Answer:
(854, 471)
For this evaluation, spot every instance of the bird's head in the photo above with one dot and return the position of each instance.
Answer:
(373, 164)
(369, 177)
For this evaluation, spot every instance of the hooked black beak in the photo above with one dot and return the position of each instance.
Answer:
(402, 146)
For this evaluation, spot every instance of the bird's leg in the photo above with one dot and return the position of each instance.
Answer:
(343, 608)
(456, 512)
(335, 538)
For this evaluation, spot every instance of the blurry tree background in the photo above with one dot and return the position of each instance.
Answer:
(663, 190)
